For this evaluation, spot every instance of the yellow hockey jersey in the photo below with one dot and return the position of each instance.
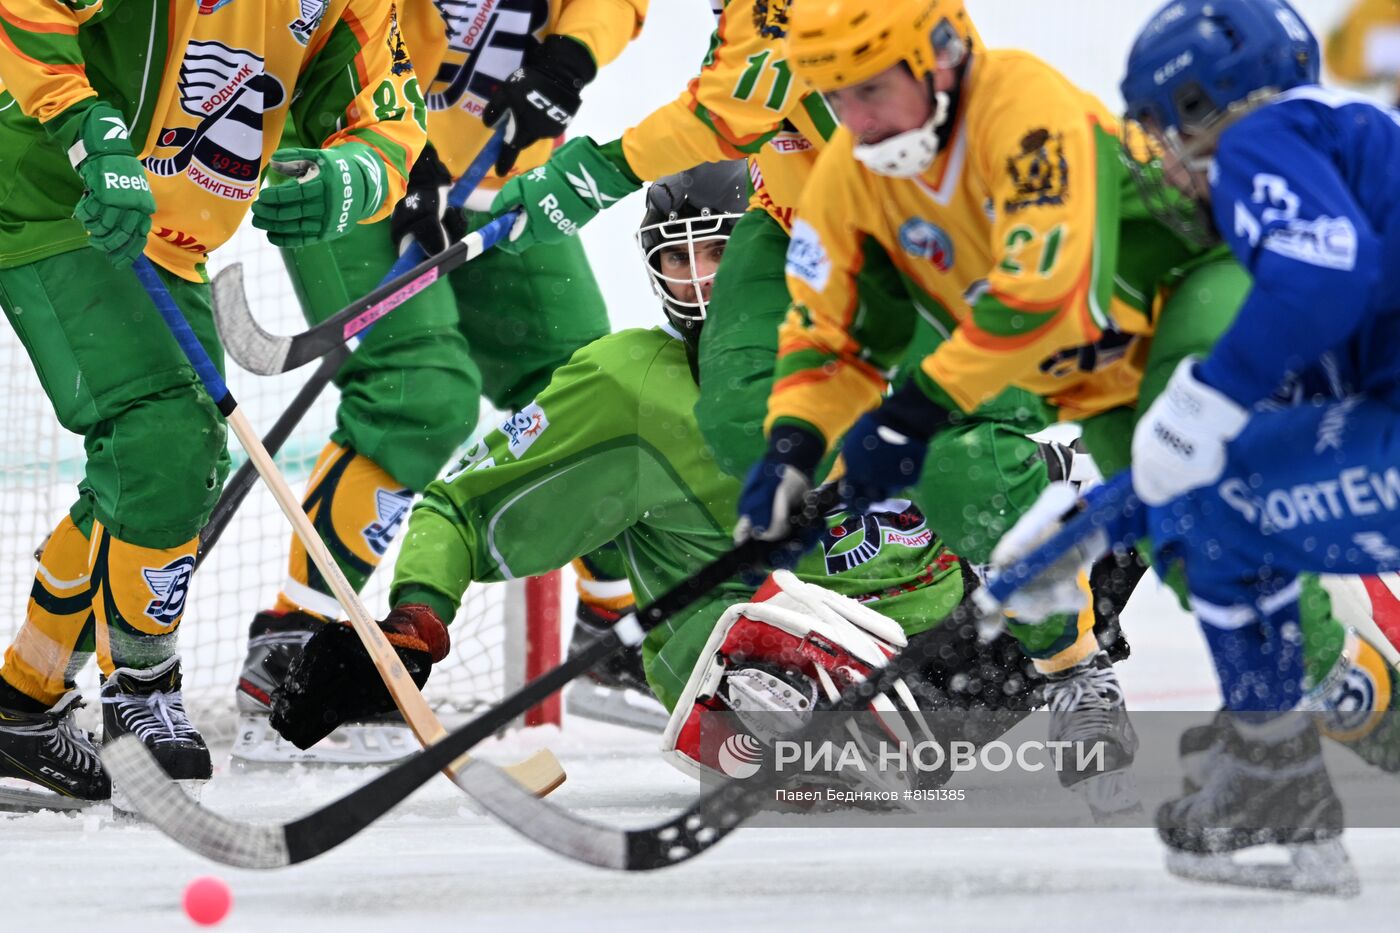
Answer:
(1006, 244)
(744, 103)
(465, 49)
(206, 88)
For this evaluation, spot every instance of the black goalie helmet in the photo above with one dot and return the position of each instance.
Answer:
(688, 215)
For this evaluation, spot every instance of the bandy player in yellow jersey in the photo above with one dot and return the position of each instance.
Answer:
(496, 328)
(965, 227)
(133, 128)
(746, 101)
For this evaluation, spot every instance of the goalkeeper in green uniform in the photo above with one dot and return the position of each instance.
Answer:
(611, 450)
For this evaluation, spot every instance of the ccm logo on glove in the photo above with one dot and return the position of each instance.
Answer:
(551, 110)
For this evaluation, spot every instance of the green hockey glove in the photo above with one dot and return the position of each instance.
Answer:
(577, 183)
(117, 203)
(335, 188)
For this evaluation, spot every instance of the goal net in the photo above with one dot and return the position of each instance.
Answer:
(505, 633)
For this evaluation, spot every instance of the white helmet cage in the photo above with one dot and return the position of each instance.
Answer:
(690, 209)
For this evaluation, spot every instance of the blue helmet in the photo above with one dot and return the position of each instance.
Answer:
(1196, 58)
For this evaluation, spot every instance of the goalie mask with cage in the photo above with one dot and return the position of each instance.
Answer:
(689, 218)
(1196, 68)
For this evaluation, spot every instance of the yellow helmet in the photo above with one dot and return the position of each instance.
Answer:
(837, 43)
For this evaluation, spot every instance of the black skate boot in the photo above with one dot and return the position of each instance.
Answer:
(56, 761)
(1264, 786)
(615, 691)
(275, 639)
(1086, 707)
(1195, 747)
(148, 704)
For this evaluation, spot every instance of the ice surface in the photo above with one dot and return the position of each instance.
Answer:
(435, 863)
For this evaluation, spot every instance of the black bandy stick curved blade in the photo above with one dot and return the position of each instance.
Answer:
(267, 354)
(339, 820)
(243, 337)
(162, 802)
(671, 842)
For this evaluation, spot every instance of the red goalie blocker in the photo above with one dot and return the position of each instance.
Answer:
(768, 665)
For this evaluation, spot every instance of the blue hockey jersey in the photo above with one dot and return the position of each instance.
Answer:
(1306, 191)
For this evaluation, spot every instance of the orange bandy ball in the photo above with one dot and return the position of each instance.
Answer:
(207, 900)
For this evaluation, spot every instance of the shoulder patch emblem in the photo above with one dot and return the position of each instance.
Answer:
(306, 24)
(806, 257)
(524, 427)
(770, 18)
(399, 63)
(925, 240)
(1039, 172)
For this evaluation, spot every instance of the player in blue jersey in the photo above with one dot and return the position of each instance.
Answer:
(1278, 453)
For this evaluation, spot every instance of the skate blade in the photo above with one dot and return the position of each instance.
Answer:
(28, 798)
(1112, 798)
(258, 745)
(1313, 868)
(618, 707)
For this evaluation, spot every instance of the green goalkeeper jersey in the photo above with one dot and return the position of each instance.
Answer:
(610, 451)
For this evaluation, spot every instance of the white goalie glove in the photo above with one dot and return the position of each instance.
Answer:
(1064, 586)
(1179, 445)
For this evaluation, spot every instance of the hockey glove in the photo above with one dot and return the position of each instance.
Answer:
(334, 681)
(559, 197)
(775, 489)
(1179, 444)
(1063, 587)
(335, 188)
(423, 214)
(885, 449)
(117, 204)
(538, 100)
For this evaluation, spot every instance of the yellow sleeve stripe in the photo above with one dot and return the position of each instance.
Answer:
(846, 391)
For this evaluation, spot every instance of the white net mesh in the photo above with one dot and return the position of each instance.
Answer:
(40, 465)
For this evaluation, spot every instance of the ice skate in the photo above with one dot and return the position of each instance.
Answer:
(1261, 791)
(47, 762)
(1086, 706)
(615, 691)
(149, 705)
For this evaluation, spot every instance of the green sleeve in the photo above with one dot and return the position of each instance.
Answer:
(554, 481)
(739, 342)
(363, 91)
